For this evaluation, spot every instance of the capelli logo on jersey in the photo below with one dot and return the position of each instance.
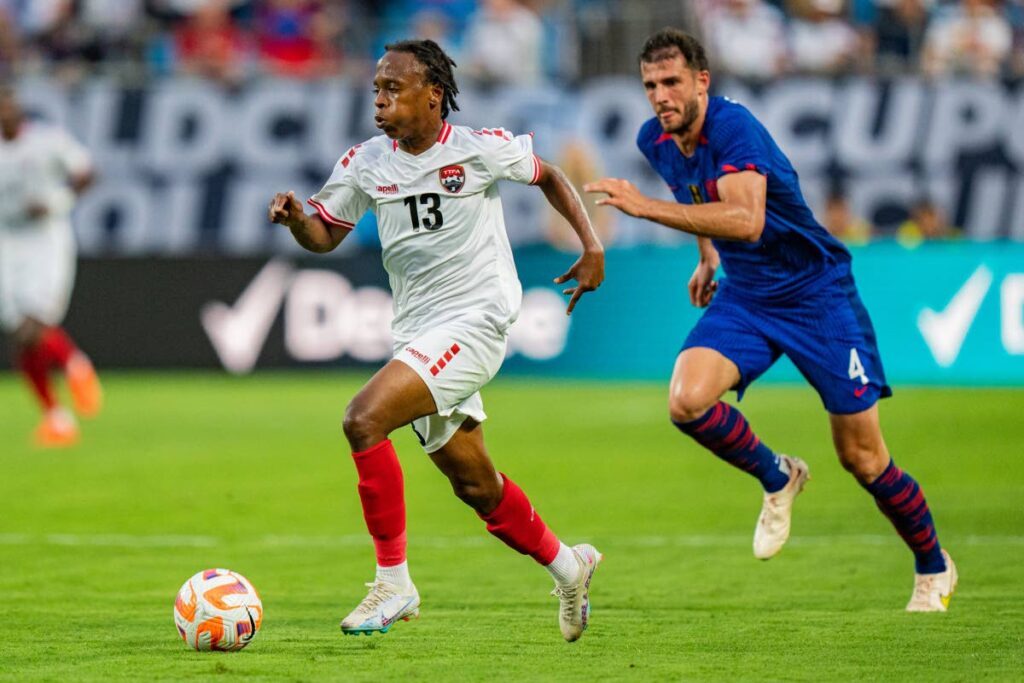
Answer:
(452, 178)
(388, 189)
(418, 355)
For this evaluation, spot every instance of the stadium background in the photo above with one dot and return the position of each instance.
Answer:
(196, 112)
(905, 119)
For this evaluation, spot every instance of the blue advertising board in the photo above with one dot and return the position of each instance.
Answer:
(945, 313)
(949, 314)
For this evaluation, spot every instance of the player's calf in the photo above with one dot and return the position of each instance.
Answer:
(482, 493)
(901, 499)
(725, 432)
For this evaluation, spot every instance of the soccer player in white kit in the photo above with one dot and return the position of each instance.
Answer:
(42, 171)
(433, 187)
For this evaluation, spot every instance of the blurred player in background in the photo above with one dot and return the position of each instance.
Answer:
(42, 171)
(434, 189)
(789, 290)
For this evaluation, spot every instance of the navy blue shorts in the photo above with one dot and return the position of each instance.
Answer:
(828, 336)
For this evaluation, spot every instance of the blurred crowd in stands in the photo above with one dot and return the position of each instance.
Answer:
(508, 41)
(523, 42)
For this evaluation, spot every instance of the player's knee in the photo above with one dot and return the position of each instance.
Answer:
(689, 404)
(483, 495)
(864, 461)
(27, 334)
(362, 427)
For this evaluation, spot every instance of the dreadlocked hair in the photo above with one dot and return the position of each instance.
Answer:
(438, 66)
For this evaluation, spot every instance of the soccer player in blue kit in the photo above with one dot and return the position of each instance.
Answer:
(788, 290)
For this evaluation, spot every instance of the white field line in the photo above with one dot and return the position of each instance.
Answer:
(444, 542)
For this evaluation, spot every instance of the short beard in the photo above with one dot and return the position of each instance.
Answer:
(691, 110)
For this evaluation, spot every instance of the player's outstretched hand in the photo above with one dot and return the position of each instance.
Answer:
(588, 271)
(285, 209)
(622, 194)
(702, 284)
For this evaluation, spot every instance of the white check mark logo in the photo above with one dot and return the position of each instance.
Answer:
(944, 331)
(238, 332)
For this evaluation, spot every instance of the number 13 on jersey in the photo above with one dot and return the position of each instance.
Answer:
(430, 203)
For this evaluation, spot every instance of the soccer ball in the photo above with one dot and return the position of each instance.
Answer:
(218, 609)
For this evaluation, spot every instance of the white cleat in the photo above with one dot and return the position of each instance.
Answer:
(932, 592)
(574, 600)
(381, 608)
(772, 530)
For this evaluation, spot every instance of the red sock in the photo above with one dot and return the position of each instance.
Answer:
(34, 364)
(519, 526)
(57, 346)
(381, 489)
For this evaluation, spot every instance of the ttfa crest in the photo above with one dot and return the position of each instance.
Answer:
(452, 178)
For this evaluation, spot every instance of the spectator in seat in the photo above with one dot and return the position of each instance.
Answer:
(504, 44)
(972, 37)
(927, 223)
(746, 38)
(840, 220)
(821, 40)
(211, 45)
(297, 38)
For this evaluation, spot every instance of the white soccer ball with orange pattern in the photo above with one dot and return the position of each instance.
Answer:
(218, 609)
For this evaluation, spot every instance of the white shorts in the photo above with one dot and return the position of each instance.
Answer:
(455, 360)
(37, 272)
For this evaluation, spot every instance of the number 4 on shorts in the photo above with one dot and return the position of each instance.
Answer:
(857, 368)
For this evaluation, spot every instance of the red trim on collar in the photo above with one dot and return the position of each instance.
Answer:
(445, 132)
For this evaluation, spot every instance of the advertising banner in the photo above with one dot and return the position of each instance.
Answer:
(948, 313)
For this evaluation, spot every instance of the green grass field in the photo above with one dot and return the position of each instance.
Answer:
(184, 472)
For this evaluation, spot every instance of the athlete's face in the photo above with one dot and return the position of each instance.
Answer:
(676, 92)
(404, 101)
(10, 116)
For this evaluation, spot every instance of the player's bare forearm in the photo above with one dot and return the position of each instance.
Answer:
(309, 231)
(314, 235)
(563, 197)
(715, 220)
(707, 250)
(588, 271)
(739, 215)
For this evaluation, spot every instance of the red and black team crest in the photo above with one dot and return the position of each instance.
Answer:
(452, 178)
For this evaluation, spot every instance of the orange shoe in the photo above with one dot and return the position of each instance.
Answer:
(86, 393)
(57, 430)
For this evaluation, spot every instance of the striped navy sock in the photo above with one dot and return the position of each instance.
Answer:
(725, 432)
(900, 499)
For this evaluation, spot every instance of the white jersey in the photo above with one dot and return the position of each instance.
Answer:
(440, 222)
(34, 169)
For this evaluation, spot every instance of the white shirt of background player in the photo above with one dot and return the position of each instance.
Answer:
(38, 168)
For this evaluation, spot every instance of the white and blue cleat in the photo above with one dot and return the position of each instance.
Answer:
(574, 599)
(382, 607)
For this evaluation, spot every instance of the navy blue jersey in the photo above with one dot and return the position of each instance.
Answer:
(795, 254)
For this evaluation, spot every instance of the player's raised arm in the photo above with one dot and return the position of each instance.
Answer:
(738, 216)
(309, 231)
(588, 271)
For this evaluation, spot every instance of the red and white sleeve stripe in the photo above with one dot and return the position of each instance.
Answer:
(536, 169)
(327, 217)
